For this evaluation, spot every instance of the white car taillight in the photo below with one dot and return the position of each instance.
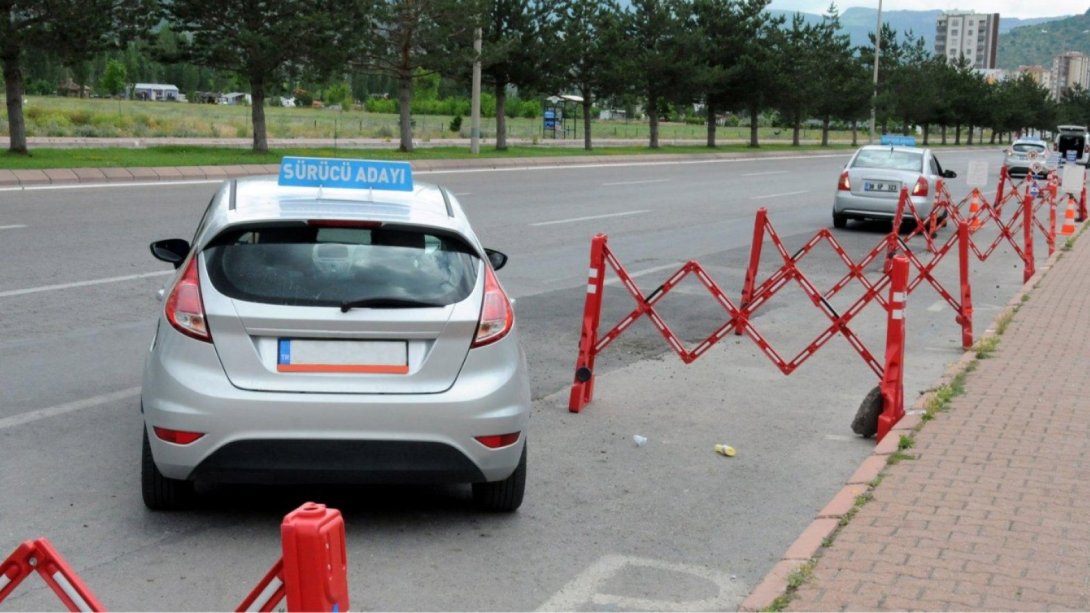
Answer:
(921, 188)
(497, 316)
(845, 183)
(185, 309)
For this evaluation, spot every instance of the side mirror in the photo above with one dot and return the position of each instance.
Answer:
(171, 250)
(497, 259)
(949, 174)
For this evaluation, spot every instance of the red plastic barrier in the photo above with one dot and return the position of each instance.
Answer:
(892, 386)
(313, 572)
(39, 556)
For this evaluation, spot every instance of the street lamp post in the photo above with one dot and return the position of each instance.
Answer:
(877, 53)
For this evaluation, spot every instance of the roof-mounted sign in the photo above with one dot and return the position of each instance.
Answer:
(897, 140)
(351, 174)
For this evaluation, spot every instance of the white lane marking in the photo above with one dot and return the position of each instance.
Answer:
(68, 407)
(641, 273)
(49, 288)
(778, 195)
(460, 194)
(937, 306)
(761, 174)
(14, 227)
(575, 219)
(637, 182)
(587, 588)
(34, 188)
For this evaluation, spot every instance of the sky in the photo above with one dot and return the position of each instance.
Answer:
(1006, 8)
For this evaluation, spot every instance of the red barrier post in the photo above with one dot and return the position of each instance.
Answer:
(965, 317)
(582, 389)
(892, 386)
(1027, 233)
(1002, 184)
(751, 271)
(1082, 206)
(39, 556)
(315, 559)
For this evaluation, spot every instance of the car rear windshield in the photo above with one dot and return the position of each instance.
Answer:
(889, 158)
(1028, 147)
(304, 265)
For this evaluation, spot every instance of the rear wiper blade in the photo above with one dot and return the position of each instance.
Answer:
(388, 303)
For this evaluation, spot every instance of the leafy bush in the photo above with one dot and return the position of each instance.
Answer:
(380, 105)
(456, 123)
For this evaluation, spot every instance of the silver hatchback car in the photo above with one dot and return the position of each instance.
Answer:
(871, 182)
(335, 324)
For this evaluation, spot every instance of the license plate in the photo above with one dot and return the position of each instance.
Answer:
(876, 186)
(337, 356)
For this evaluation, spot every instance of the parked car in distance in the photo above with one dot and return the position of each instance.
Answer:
(1026, 155)
(326, 329)
(1075, 139)
(871, 182)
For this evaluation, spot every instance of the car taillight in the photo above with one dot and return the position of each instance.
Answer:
(1086, 149)
(185, 309)
(495, 441)
(497, 316)
(845, 184)
(178, 437)
(920, 189)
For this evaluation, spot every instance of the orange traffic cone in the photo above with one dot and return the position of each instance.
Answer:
(1069, 217)
(974, 208)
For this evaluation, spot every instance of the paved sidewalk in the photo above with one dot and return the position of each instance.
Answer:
(992, 511)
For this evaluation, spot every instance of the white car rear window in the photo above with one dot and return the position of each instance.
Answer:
(302, 265)
(889, 158)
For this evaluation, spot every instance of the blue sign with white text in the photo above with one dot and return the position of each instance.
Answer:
(897, 140)
(351, 174)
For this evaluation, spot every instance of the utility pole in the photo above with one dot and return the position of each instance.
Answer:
(475, 103)
(877, 53)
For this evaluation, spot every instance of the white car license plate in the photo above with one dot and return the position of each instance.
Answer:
(338, 356)
(879, 186)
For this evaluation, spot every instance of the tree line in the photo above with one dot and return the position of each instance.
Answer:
(717, 56)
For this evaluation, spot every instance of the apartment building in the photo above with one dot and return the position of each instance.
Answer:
(972, 35)
(1068, 69)
(1040, 74)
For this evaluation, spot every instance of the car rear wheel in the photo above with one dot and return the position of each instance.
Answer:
(502, 496)
(840, 221)
(161, 493)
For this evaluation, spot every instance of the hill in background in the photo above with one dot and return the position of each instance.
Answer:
(1014, 34)
(1038, 43)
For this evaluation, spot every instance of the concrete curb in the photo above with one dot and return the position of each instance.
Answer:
(15, 179)
(810, 542)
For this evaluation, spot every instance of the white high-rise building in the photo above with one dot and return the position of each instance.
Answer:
(1068, 69)
(973, 35)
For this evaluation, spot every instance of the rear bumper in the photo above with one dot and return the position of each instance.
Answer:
(310, 437)
(853, 206)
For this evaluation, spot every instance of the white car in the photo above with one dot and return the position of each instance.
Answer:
(336, 324)
(1025, 156)
(1072, 141)
(870, 184)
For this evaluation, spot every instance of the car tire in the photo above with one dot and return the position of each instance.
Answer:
(865, 423)
(840, 221)
(161, 493)
(502, 496)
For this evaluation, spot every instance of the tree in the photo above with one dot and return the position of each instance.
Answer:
(513, 51)
(658, 56)
(845, 90)
(724, 28)
(588, 53)
(260, 40)
(754, 81)
(114, 78)
(797, 80)
(406, 38)
(71, 30)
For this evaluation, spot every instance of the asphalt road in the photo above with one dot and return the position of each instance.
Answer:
(606, 525)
